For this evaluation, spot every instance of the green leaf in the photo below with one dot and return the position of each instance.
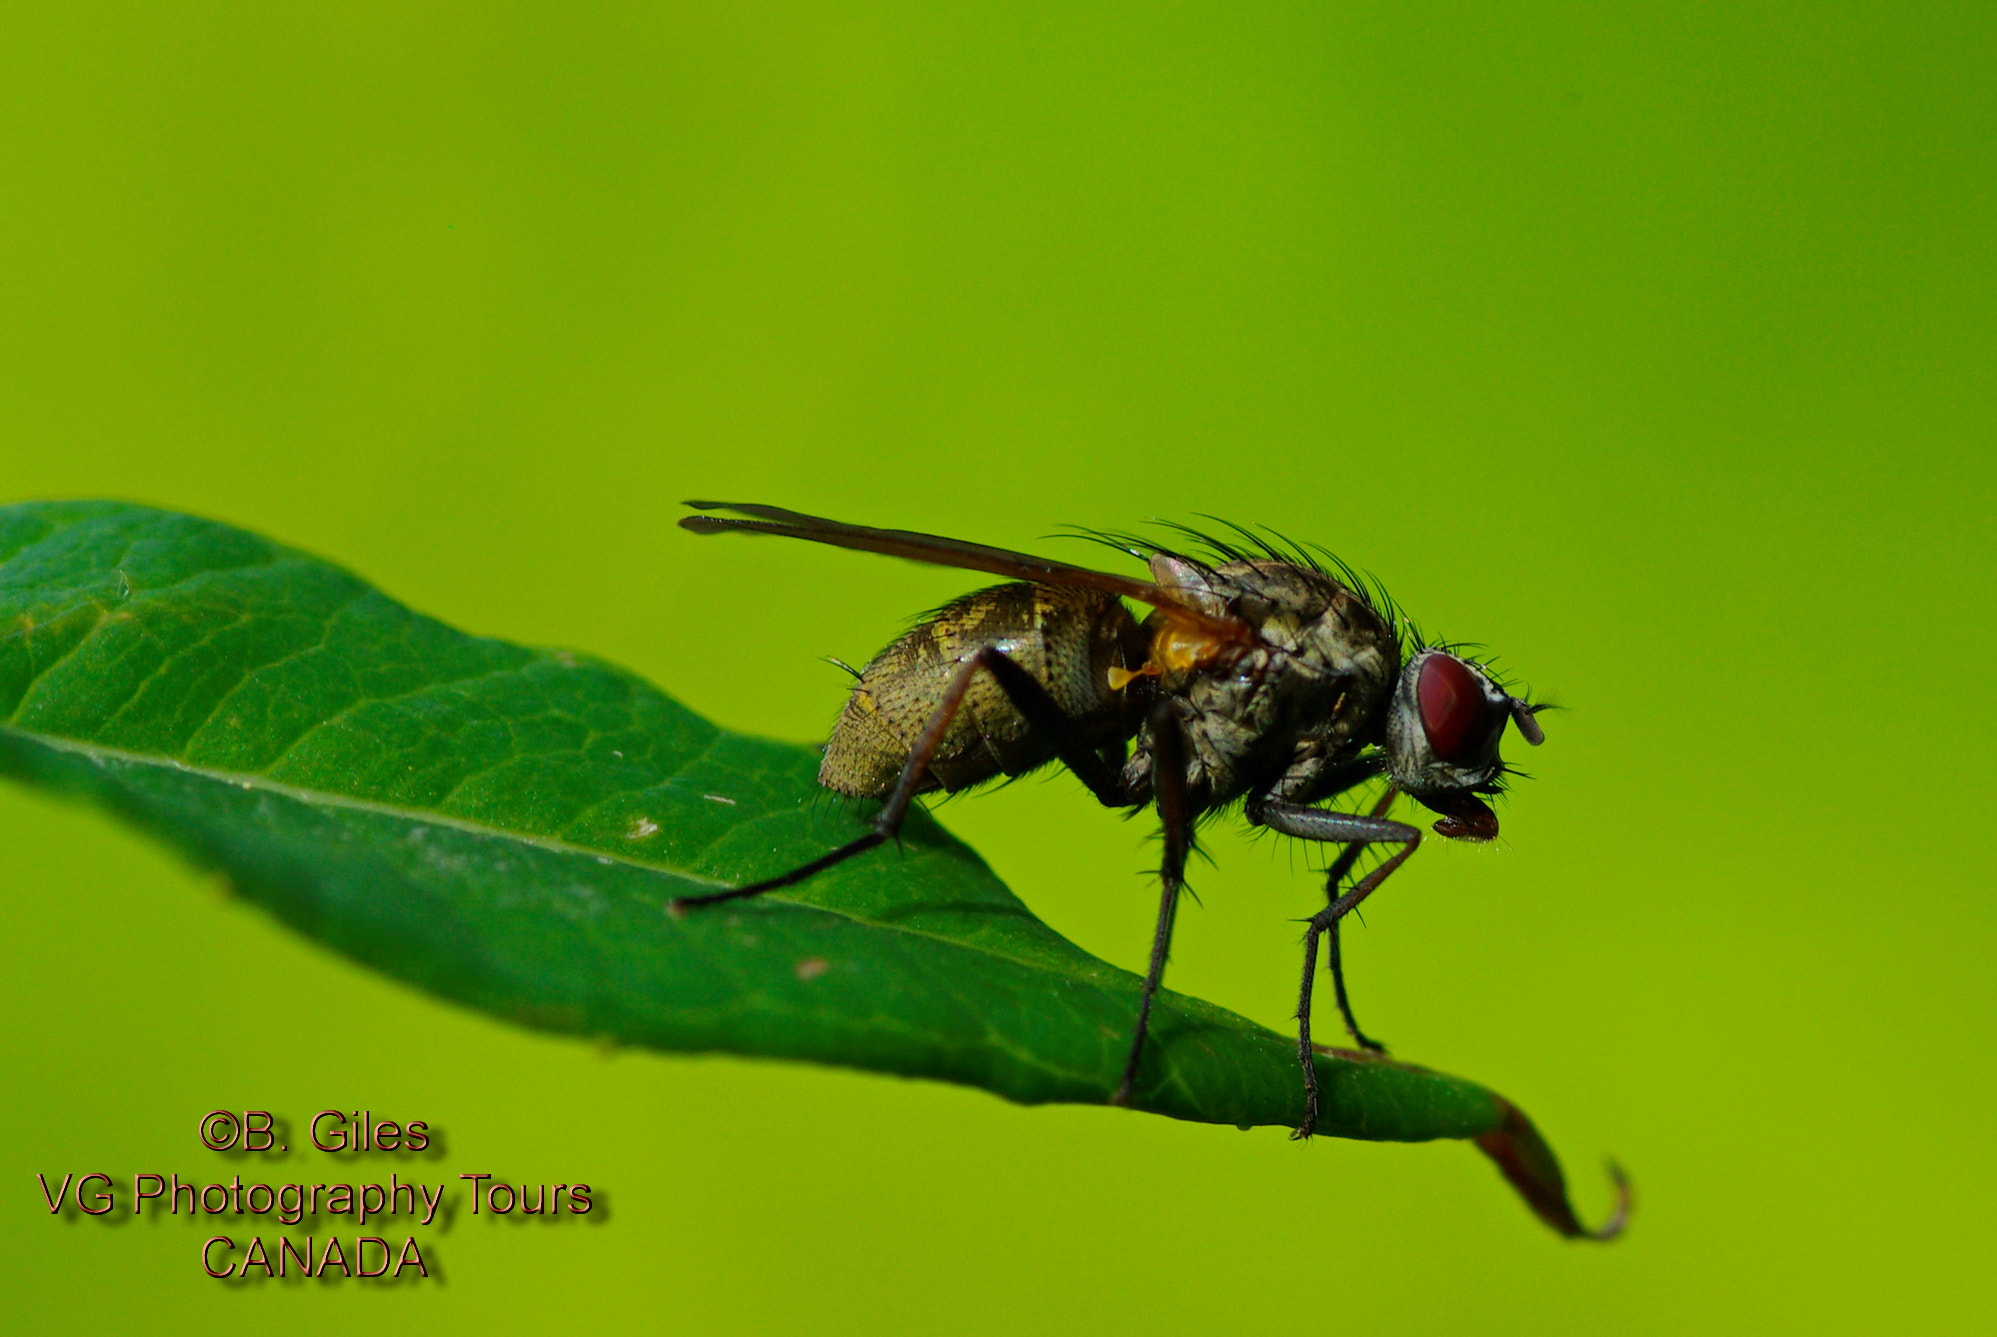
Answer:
(506, 826)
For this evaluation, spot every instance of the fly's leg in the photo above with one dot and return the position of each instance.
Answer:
(1340, 869)
(1168, 788)
(1033, 702)
(1354, 831)
(1091, 766)
(1326, 921)
(1335, 960)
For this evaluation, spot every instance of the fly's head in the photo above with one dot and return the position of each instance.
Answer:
(1443, 728)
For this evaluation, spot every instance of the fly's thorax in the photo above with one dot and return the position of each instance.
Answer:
(1068, 639)
(1308, 690)
(1309, 619)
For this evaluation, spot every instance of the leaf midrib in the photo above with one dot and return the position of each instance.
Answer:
(347, 802)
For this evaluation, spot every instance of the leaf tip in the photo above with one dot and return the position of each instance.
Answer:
(1528, 1164)
(1619, 1216)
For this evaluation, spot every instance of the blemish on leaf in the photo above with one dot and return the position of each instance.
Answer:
(719, 798)
(640, 828)
(564, 658)
(812, 967)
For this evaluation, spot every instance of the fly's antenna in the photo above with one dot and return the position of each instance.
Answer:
(1522, 716)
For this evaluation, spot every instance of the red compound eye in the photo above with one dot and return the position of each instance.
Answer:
(1453, 709)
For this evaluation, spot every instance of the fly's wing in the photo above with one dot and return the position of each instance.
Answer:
(939, 551)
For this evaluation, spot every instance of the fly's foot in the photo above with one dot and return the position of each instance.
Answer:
(679, 907)
(1302, 1132)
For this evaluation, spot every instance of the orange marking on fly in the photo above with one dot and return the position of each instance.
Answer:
(1179, 646)
(1183, 646)
(1120, 678)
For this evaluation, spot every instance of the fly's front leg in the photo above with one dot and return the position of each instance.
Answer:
(1355, 832)
(1033, 702)
(1333, 955)
(1335, 876)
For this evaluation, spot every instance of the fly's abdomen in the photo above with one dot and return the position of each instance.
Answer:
(1068, 639)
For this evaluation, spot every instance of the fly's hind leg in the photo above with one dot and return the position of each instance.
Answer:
(1032, 700)
(1355, 832)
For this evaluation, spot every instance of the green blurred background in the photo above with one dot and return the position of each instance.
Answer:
(1650, 345)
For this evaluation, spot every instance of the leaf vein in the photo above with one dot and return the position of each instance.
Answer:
(28, 688)
(100, 753)
(166, 662)
(437, 685)
(250, 675)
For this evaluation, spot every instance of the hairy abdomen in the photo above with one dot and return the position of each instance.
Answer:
(1068, 639)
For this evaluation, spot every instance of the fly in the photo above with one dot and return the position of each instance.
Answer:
(1259, 677)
